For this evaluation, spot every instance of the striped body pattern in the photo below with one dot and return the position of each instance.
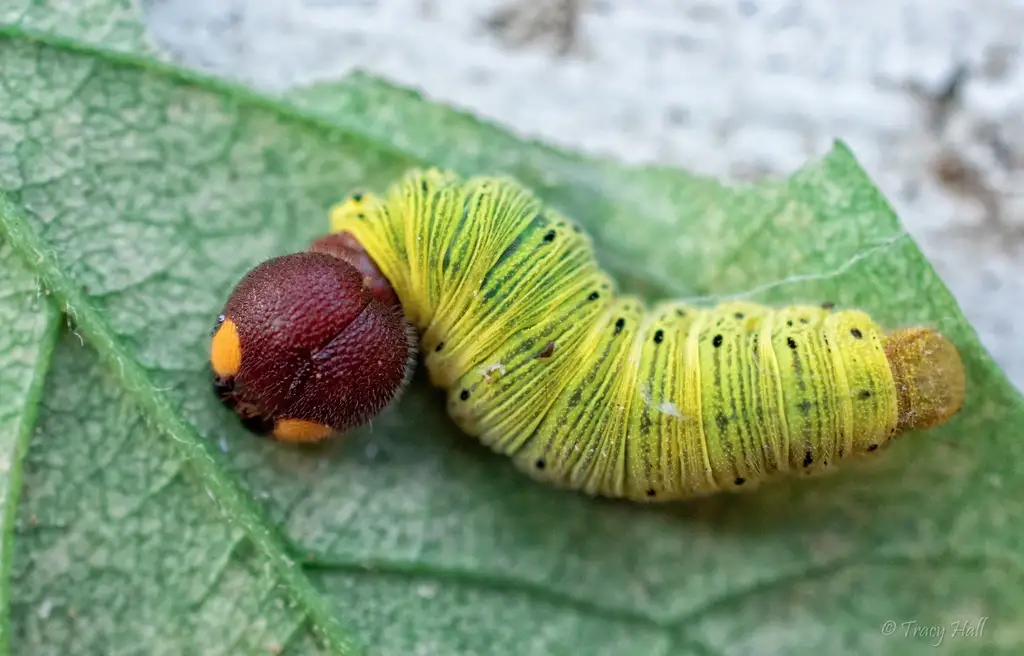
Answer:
(596, 391)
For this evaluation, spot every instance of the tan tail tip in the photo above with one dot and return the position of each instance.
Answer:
(929, 377)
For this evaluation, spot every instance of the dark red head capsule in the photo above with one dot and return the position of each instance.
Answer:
(304, 348)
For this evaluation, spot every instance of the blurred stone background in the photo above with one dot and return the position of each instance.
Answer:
(928, 93)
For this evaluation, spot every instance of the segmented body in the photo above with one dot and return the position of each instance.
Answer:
(589, 389)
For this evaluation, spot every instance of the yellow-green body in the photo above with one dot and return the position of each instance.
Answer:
(596, 391)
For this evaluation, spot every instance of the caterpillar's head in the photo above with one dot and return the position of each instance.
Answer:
(312, 344)
(929, 377)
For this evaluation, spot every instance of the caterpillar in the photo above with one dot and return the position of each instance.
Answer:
(543, 360)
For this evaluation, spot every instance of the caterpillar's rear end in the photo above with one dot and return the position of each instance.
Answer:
(593, 391)
(795, 389)
(695, 401)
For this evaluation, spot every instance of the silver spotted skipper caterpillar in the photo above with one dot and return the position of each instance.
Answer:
(544, 362)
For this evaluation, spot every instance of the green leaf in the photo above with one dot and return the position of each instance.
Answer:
(138, 194)
(112, 24)
(26, 347)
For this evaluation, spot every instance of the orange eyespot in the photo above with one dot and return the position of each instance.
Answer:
(300, 430)
(296, 338)
(225, 351)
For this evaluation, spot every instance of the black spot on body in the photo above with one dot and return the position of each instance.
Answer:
(540, 464)
(805, 407)
(357, 197)
(423, 186)
(547, 351)
(651, 493)
(550, 237)
(790, 342)
(619, 325)
(464, 395)
(739, 315)
(864, 395)
(789, 323)
(856, 333)
(594, 296)
(717, 341)
(808, 459)
(740, 480)
(873, 447)
(659, 336)
(721, 421)
(437, 349)
(361, 215)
